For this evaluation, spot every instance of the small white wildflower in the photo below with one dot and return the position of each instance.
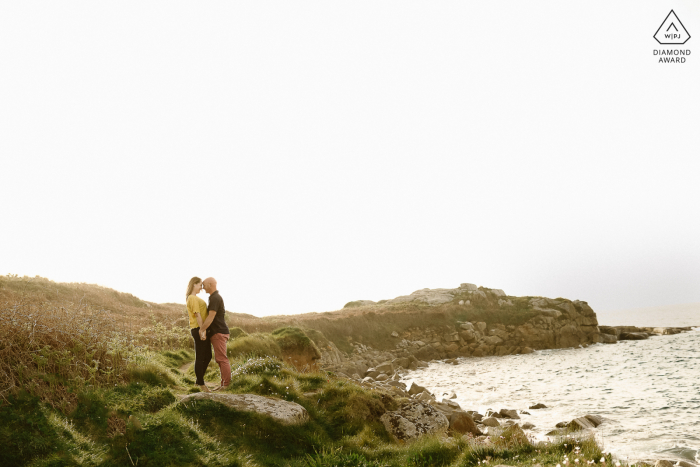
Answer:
(602, 459)
(576, 460)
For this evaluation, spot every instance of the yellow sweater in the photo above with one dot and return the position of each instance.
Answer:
(196, 305)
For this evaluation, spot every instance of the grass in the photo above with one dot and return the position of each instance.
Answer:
(80, 387)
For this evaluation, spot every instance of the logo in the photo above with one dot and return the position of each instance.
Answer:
(672, 31)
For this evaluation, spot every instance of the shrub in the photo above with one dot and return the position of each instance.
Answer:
(294, 341)
(258, 345)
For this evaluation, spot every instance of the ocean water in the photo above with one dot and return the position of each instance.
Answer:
(647, 391)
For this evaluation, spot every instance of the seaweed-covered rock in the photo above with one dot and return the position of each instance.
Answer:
(414, 419)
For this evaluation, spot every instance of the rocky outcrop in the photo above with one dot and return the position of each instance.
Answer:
(623, 333)
(414, 419)
(287, 413)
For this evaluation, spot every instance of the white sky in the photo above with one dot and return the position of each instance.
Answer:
(311, 153)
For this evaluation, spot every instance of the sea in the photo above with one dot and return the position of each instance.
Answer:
(648, 391)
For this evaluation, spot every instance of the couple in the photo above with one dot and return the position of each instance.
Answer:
(208, 326)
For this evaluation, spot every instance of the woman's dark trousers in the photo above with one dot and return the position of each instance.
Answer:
(202, 350)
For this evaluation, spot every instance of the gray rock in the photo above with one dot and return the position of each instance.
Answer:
(372, 373)
(538, 406)
(382, 377)
(581, 423)
(285, 412)
(467, 326)
(415, 389)
(527, 426)
(594, 419)
(686, 464)
(368, 379)
(461, 422)
(386, 367)
(633, 336)
(498, 292)
(490, 422)
(394, 334)
(509, 413)
(481, 326)
(468, 287)
(663, 463)
(608, 339)
(414, 419)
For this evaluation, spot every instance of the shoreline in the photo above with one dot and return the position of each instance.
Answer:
(449, 407)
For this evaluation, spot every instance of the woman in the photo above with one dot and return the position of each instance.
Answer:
(197, 310)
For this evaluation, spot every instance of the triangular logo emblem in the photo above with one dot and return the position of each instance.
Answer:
(672, 31)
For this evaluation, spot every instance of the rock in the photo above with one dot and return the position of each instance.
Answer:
(493, 340)
(368, 379)
(663, 463)
(415, 389)
(372, 373)
(562, 424)
(580, 423)
(461, 422)
(498, 292)
(468, 287)
(502, 302)
(481, 326)
(608, 339)
(526, 350)
(451, 403)
(595, 420)
(394, 334)
(414, 419)
(538, 406)
(509, 413)
(633, 336)
(461, 302)
(686, 464)
(527, 426)
(382, 377)
(386, 367)
(490, 422)
(429, 296)
(467, 326)
(285, 412)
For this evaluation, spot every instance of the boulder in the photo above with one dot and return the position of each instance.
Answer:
(372, 373)
(506, 413)
(414, 419)
(663, 463)
(461, 422)
(386, 367)
(633, 336)
(608, 339)
(490, 422)
(382, 377)
(527, 426)
(285, 412)
(538, 406)
(394, 334)
(467, 326)
(594, 419)
(415, 389)
(498, 292)
(581, 423)
(481, 326)
(526, 350)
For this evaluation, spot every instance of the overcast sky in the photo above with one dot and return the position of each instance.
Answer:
(307, 154)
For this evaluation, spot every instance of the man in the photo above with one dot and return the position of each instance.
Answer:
(218, 331)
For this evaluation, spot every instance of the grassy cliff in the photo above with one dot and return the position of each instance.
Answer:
(81, 384)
